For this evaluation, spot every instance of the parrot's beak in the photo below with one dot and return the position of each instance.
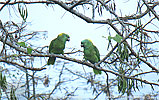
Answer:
(82, 45)
(68, 39)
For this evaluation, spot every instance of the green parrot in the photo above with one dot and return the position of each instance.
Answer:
(91, 53)
(57, 46)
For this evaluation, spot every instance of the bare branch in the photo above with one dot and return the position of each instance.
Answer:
(133, 52)
(80, 15)
(130, 27)
(76, 4)
(151, 10)
(22, 66)
(75, 60)
(4, 5)
(117, 45)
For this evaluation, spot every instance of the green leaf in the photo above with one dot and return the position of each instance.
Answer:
(119, 48)
(4, 82)
(122, 55)
(109, 38)
(124, 85)
(119, 84)
(0, 93)
(137, 85)
(22, 44)
(117, 38)
(1, 79)
(126, 52)
(133, 83)
(14, 55)
(12, 94)
(22, 8)
(29, 50)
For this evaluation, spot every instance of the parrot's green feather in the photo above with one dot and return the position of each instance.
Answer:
(97, 53)
(91, 53)
(57, 46)
(51, 60)
(97, 71)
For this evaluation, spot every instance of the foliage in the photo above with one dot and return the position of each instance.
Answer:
(131, 54)
(22, 44)
(23, 11)
(3, 83)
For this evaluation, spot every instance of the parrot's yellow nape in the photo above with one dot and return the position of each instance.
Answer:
(90, 40)
(61, 34)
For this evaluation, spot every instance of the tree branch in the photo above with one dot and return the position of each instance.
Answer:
(22, 66)
(4, 5)
(132, 51)
(110, 52)
(69, 59)
(80, 15)
(151, 10)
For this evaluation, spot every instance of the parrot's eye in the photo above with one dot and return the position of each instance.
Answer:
(67, 36)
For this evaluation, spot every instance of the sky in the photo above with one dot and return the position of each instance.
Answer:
(41, 18)
(55, 20)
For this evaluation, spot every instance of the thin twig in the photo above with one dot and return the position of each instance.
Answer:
(111, 51)
(22, 66)
(80, 15)
(77, 61)
(151, 10)
(4, 4)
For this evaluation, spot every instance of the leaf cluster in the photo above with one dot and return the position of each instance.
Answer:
(22, 8)
(128, 50)
(3, 83)
(23, 44)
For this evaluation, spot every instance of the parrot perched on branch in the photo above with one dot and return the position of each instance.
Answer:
(57, 46)
(91, 53)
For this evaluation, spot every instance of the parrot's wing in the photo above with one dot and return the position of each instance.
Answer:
(51, 46)
(97, 53)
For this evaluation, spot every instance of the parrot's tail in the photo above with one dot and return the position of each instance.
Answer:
(51, 60)
(97, 71)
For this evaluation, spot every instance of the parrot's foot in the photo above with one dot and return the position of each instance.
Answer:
(64, 55)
